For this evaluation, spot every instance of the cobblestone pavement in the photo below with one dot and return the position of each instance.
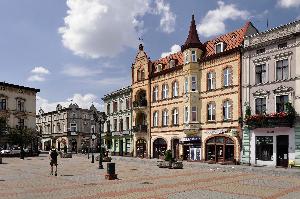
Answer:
(140, 178)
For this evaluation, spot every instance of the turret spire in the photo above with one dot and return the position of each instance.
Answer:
(193, 40)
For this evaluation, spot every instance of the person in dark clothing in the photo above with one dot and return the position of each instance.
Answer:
(53, 160)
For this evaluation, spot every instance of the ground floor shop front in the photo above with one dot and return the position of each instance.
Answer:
(272, 146)
(121, 146)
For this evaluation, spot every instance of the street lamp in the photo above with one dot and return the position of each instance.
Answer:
(100, 119)
(93, 138)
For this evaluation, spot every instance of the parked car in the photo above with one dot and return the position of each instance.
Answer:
(5, 151)
(15, 150)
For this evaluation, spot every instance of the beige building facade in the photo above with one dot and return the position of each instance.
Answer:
(192, 99)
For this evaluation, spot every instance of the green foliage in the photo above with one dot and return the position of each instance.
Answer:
(22, 137)
(168, 155)
(290, 109)
(3, 125)
(248, 111)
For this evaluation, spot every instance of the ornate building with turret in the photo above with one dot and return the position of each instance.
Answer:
(189, 102)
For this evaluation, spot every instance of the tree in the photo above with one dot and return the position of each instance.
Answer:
(3, 130)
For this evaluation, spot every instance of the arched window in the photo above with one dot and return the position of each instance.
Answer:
(211, 80)
(194, 56)
(142, 74)
(165, 91)
(172, 63)
(175, 89)
(175, 118)
(227, 110)
(155, 119)
(165, 118)
(211, 111)
(138, 75)
(155, 94)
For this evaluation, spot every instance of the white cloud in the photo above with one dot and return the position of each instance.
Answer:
(38, 74)
(102, 28)
(288, 3)
(214, 21)
(80, 71)
(83, 101)
(174, 49)
(168, 18)
(36, 78)
(40, 70)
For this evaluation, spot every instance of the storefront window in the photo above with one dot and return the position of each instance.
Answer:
(264, 148)
(220, 149)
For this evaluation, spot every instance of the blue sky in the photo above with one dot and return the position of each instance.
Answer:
(83, 49)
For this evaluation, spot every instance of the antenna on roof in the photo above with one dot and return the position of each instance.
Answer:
(141, 39)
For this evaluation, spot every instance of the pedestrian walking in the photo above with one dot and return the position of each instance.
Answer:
(53, 160)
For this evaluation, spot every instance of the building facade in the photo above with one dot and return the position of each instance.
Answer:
(118, 128)
(189, 102)
(271, 88)
(72, 127)
(18, 105)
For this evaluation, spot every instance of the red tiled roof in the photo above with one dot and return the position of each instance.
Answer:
(232, 40)
(165, 60)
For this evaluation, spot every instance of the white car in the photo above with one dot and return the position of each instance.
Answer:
(5, 151)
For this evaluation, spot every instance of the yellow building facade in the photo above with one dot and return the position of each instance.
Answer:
(190, 102)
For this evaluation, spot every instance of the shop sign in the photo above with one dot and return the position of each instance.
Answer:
(217, 131)
(73, 133)
(120, 133)
(190, 139)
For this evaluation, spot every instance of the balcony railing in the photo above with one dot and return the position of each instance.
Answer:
(281, 119)
(140, 128)
(139, 103)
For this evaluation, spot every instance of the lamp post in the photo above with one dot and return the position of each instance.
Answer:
(93, 138)
(100, 119)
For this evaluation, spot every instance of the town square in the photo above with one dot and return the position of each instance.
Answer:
(150, 99)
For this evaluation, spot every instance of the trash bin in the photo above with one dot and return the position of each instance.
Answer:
(111, 168)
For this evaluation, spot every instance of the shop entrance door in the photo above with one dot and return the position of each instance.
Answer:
(121, 148)
(219, 153)
(282, 150)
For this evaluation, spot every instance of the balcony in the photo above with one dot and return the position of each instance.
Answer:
(140, 103)
(140, 128)
(281, 119)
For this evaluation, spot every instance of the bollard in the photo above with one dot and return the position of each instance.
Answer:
(111, 171)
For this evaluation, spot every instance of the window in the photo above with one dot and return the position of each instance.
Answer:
(127, 123)
(142, 74)
(175, 116)
(165, 91)
(219, 47)
(227, 110)
(227, 77)
(121, 125)
(194, 113)
(159, 67)
(128, 144)
(282, 69)
(20, 105)
(260, 105)
(282, 45)
(186, 85)
(138, 75)
(259, 51)
(2, 104)
(260, 73)
(211, 112)
(21, 123)
(115, 124)
(172, 63)
(175, 89)
(115, 107)
(186, 57)
(127, 103)
(194, 83)
(165, 118)
(155, 119)
(73, 127)
(211, 81)
(264, 148)
(155, 93)
(186, 114)
(194, 56)
(280, 103)
(120, 105)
